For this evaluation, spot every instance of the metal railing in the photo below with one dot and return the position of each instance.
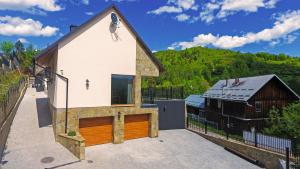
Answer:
(266, 142)
(292, 160)
(271, 143)
(162, 93)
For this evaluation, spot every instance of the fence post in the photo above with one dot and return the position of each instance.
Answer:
(287, 161)
(181, 92)
(205, 127)
(294, 145)
(187, 121)
(255, 138)
(227, 131)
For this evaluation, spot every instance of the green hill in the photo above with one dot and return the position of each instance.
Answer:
(199, 68)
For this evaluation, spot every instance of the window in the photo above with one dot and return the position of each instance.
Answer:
(258, 106)
(219, 104)
(208, 102)
(122, 89)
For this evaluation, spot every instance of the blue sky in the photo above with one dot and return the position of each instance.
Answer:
(242, 25)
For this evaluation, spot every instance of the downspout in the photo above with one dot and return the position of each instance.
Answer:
(67, 106)
(67, 89)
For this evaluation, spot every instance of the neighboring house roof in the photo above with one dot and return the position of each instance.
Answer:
(195, 101)
(243, 91)
(54, 46)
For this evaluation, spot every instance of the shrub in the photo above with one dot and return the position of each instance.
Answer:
(71, 133)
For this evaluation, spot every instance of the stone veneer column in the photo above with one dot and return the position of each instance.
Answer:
(153, 124)
(118, 127)
(137, 89)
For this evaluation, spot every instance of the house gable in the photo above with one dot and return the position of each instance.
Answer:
(70, 36)
(275, 90)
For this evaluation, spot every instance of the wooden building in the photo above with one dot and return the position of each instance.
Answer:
(244, 103)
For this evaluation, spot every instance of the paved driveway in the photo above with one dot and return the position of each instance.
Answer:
(31, 145)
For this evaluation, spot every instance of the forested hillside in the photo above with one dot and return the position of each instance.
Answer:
(199, 68)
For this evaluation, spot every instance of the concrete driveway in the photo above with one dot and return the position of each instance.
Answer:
(173, 149)
(31, 145)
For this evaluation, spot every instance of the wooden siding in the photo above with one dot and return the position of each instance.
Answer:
(136, 126)
(96, 130)
(272, 94)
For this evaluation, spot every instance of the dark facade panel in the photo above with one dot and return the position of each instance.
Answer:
(171, 114)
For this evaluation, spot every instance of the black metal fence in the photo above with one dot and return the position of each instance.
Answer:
(162, 93)
(297, 159)
(266, 142)
(292, 158)
(256, 139)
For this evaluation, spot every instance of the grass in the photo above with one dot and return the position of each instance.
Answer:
(8, 80)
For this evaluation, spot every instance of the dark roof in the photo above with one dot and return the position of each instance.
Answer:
(139, 39)
(243, 91)
(195, 101)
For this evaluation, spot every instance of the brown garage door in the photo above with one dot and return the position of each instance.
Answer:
(96, 130)
(136, 126)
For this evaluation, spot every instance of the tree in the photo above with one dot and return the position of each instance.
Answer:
(7, 48)
(288, 125)
(29, 53)
(19, 48)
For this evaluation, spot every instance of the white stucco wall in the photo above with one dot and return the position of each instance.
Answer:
(51, 86)
(94, 54)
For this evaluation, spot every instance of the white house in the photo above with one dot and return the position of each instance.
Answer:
(103, 61)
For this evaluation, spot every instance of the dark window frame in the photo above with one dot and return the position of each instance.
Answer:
(132, 94)
(258, 106)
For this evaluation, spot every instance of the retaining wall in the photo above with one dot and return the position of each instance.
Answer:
(269, 159)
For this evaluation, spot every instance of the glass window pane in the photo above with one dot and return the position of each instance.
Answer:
(122, 89)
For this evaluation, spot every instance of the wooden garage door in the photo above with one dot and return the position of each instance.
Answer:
(136, 126)
(96, 130)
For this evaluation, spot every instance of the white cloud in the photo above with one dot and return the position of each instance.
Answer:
(207, 15)
(23, 40)
(182, 17)
(285, 24)
(184, 4)
(86, 2)
(165, 9)
(290, 38)
(274, 42)
(271, 3)
(89, 13)
(223, 8)
(175, 6)
(10, 26)
(32, 6)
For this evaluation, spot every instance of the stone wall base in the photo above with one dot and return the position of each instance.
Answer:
(268, 158)
(118, 114)
(74, 144)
